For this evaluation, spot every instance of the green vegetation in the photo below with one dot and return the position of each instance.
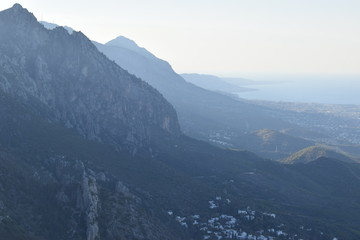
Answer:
(312, 153)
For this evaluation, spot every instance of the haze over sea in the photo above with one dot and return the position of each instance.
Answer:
(328, 89)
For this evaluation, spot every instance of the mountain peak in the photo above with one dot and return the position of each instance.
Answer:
(65, 70)
(18, 9)
(17, 6)
(17, 14)
(122, 41)
(129, 44)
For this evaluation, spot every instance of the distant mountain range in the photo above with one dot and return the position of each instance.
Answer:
(214, 83)
(202, 113)
(90, 151)
(220, 119)
(52, 26)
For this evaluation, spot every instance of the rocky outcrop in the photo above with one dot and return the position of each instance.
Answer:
(80, 87)
(94, 204)
(69, 173)
(91, 201)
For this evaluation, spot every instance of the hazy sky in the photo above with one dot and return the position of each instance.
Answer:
(222, 36)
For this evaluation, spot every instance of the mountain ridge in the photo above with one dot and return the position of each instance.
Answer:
(201, 112)
(312, 153)
(214, 83)
(118, 97)
(127, 43)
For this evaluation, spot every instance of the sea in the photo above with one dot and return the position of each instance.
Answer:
(327, 89)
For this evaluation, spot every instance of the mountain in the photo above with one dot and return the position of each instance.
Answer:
(202, 113)
(207, 115)
(78, 86)
(54, 184)
(131, 45)
(213, 83)
(312, 153)
(58, 183)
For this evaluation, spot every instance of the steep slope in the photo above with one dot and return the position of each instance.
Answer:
(80, 86)
(202, 113)
(56, 185)
(312, 153)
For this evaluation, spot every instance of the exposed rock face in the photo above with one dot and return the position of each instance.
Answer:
(121, 188)
(81, 87)
(47, 194)
(91, 200)
(62, 78)
(66, 201)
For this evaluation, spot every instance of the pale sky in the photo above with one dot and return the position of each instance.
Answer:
(223, 37)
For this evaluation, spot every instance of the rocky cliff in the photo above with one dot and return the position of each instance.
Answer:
(79, 87)
(49, 190)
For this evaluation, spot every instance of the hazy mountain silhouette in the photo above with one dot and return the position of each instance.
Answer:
(201, 112)
(51, 26)
(213, 83)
